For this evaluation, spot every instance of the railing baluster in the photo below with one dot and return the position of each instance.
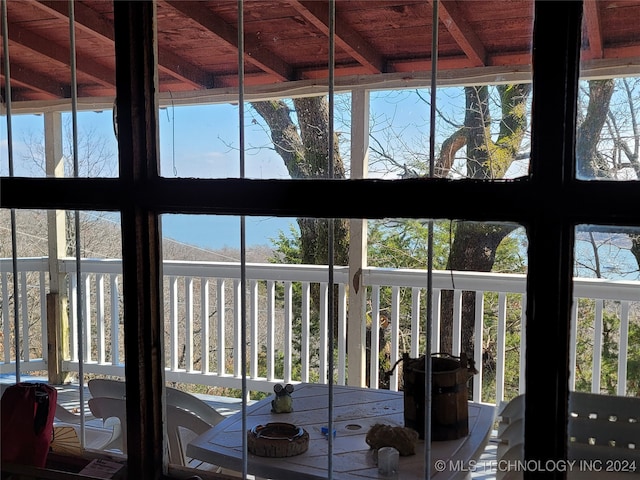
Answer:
(100, 317)
(304, 341)
(597, 347)
(573, 351)
(6, 325)
(324, 290)
(237, 324)
(624, 348)
(288, 339)
(86, 298)
(435, 327)
(115, 320)
(173, 321)
(500, 355)
(204, 325)
(457, 322)
(73, 321)
(395, 335)
(24, 303)
(255, 328)
(374, 367)
(43, 314)
(415, 322)
(271, 330)
(222, 318)
(523, 344)
(188, 320)
(478, 346)
(342, 334)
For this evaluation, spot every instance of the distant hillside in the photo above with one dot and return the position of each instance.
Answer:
(101, 238)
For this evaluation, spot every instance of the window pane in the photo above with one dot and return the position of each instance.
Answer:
(605, 355)
(609, 102)
(606, 319)
(287, 319)
(52, 298)
(285, 138)
(498, 114)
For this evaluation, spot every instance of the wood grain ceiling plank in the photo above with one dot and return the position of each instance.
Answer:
(317, 13)
(451, 16)
(61, 54)
(254, 53)
(38, 81)
(91, 22)
(594, 29)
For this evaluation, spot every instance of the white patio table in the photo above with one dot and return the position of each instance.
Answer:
(355, 411)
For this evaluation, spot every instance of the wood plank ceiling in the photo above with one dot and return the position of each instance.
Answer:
(286, 40)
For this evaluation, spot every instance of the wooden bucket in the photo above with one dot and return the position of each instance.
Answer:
(449, 395)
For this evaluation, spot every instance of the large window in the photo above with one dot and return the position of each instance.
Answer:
(229, 158)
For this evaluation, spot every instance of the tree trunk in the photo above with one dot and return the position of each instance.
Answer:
(304, 148)
(589, 165)
(474, 245)
(474, 248)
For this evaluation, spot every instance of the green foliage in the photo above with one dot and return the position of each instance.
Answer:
(511, 253)
(513, 327)
(610, 350)
(286, 248)
(403, 243)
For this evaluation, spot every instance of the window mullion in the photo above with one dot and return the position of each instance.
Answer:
(136, 83)
(549, 286)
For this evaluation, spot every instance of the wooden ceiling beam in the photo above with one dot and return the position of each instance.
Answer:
(453, 19)
(37, 81)
(92, 23)
(255, 54)
(317, 13)
(61, 54)
(594, 30)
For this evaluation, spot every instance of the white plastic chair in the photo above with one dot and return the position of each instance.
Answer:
(113, 413)
(102, 387)
(603, 428)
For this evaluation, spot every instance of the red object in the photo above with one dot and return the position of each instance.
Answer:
(27, 411)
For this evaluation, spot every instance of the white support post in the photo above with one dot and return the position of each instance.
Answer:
(356, 320)
(57, 318)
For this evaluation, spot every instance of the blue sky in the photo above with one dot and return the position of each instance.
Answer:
(195, 141)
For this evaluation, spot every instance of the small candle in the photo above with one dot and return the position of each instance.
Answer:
(388, 459)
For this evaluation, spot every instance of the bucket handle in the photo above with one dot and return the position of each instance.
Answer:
(466, 362)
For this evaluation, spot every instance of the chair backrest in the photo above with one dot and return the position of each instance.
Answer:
(104, 387)
(101, 387)
(112, 408)
(604, 427)
(182, 427)
(191, 403)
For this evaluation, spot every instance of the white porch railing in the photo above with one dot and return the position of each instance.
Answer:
(285, 344)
